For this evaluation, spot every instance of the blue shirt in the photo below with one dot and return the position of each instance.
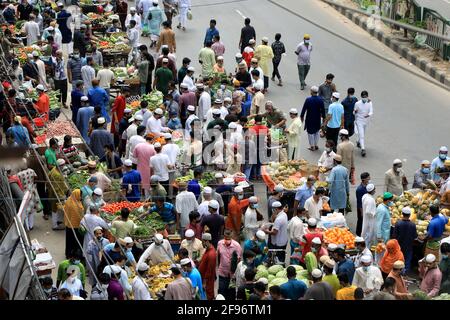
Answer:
(383, 217)
(196, 280)
(437, 226)
(293, 289)
(210, 33)
(349, 106)
(303, 194)
(98, 97)
(346, 266)
(108, 248)
(174, 124)
(224, 188)
(258, 248)
(194, 187)
(336, 110)
(167, 213)
(132, 177)
(20, 134)
(360, 192)
(435, 164)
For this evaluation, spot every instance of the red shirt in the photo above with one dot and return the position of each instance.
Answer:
(43, 105)
(118, 107)
(28, 126)
(307, 245)
(207, 266)
(260, 129)
(235, 210)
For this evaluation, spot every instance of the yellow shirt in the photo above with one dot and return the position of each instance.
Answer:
(347, 293)
(264, 54)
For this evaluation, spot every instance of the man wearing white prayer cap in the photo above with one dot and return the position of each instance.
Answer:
(159, 251)
(293, 134)
(395, 178)
(140, 288)
(422, 175)
(369, 208)
(193, 246)
(368, 277)
(319, 290)
(406, 233)
(360, 245)
(251, 224)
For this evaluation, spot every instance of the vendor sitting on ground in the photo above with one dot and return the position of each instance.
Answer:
(69, 151)
(167, 212)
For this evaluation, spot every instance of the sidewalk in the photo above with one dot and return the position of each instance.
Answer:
(422, 58)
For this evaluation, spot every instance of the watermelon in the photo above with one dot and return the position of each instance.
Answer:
(281, 274)
(275, 269)
(262, 274)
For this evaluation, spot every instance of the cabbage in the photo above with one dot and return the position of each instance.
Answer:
(271, 277)
(275, 269)
(297, 267)
(262, 274)
(281, 274)
(277, 282)
(261, 267)
(304, 274)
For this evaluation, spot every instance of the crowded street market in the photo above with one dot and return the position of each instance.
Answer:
(173, 177)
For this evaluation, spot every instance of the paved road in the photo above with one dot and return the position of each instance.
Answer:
(411, 114)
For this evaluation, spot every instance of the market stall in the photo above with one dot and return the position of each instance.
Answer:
(43, 260)
(114, 48)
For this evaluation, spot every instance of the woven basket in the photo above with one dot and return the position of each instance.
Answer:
(309, 169)
(133, 81)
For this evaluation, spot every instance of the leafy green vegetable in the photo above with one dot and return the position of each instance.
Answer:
(78, 179)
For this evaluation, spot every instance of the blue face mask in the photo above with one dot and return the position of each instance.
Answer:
(390, 204)
(442, 156)
(255, 206)
(364, 100)
(365, 268)
(76, 261)
(425, 170)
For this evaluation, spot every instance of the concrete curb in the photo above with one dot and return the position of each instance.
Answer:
(395, 45)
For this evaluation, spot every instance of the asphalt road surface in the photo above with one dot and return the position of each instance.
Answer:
(411, 112)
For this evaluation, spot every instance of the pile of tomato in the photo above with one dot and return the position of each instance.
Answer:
(113, 207)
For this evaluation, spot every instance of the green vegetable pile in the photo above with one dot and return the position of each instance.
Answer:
(443, 296)
(78, 179)
(154, 99)
(420, 295)
(276, 274)
(206, 178)
(153, 221)
(52, 95)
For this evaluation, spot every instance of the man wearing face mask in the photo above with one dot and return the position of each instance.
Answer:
(346, 150)
(159, 251)
(363, 112)
(360, 245)
(334, 121)
(236, 207)
(368, 277)
(369, 208)
(193, 245)
(140, 287)
(303, 52)
(326, 162)
(278, 233)
(248, 258)
(339, 186)
(395, 179)
(74, 68)
(305, 192)
(259, 246)
(95, 252)
(72, 283)
(383, 217)
(438, 163)
(430, 274)
(226, 250)
(74, 261)
(207, 266)
(100, 291)
(252, 218)
(422, 175)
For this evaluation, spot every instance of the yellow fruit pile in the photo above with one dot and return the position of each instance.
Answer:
(340, 236)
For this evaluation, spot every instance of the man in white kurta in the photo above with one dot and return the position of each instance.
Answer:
(363, 112)
(185, 203)
(204, 102)
(293, 133)
(368, 277)
(158, 252)
(140, 288)
(369, 206)
(251, 223)
(32, 30)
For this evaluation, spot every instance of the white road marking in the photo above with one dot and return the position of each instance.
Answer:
(240, 13)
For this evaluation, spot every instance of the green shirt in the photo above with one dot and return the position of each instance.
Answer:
(62, 271)
(122, 229)
(333, 281)
(50, 156)
(159, 191)
(143, 71)
(274, 118)
(164, 76)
